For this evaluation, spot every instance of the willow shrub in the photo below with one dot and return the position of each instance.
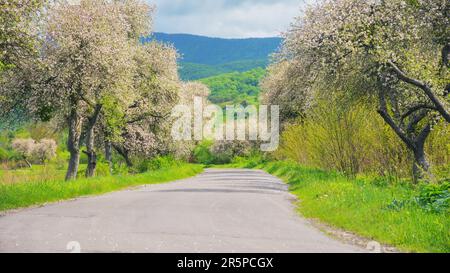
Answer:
(353, 139)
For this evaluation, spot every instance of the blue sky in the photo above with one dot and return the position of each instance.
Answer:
(226, 18)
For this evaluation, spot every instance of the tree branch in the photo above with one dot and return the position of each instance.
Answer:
(416, 108)
(416, 119)
(440, 107)
(420, 140)
(388, 119)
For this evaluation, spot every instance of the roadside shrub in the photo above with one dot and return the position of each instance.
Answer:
(162, 162)
(157, 163)
(431, 198)
(221, 152)
(24, 147)
(36, 152)
(251, 161)
(435, 198)
(45, 150)
(202, 153)
(225, 151)
(349, 138)
(61, 159)
(120, 169)
(102, 169)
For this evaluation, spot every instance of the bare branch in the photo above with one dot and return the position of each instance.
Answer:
(416, 108)
(440, 107)
(388, 119)
(416, 119)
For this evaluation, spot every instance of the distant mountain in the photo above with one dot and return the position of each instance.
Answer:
(193, 71)
(205, 57)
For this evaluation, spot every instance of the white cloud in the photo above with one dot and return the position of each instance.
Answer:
(226, 18)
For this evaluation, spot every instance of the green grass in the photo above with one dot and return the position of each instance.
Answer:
(18, 195)
(362, 206)
(38, 173)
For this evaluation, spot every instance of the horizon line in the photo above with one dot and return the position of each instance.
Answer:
(216, 37)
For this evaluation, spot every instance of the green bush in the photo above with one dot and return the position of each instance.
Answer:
(102, 169)
(435, 198)
(202, 153)
(221, 152)
(253, 161)
(431, 198)
(120, 169)
(158, 163)
(162, 162)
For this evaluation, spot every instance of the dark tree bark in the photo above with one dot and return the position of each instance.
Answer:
(73, 143)
(446, 55)
(90, 142)
(125, 154)
(108, 155)
(421, 164)
(408, 133)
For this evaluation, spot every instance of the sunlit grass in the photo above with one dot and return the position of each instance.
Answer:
(360, 206)
(17, 195)
(38, 173)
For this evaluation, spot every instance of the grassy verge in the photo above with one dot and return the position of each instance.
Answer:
(38, 173)
(367, 207)
(20, 195)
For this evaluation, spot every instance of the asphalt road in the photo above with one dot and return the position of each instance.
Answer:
(218, 211)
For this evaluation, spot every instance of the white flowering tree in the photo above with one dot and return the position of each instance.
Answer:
(146, 121)
(87, 55)
(18, 47)
(25, 148)
(396, 51)
(17, 31)
(282, 86)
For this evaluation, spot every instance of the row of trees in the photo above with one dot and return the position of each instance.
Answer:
(84, 66)
(390, 55)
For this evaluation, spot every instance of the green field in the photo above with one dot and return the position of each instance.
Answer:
(368, 207)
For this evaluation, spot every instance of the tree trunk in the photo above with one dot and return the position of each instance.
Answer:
(28, 163)
(91, 154)
(73, 144)
(108, 155)
(124, 153)
(90, 142)
(421, 166)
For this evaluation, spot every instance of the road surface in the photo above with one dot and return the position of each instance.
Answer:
(217, 211)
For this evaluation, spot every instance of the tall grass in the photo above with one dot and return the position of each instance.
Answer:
(17, 195)
(364, 205)
(38, 173)
(353, 139)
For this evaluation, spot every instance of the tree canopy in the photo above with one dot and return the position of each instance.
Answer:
(394, 53)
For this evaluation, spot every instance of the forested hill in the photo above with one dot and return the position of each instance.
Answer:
(204, 56)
